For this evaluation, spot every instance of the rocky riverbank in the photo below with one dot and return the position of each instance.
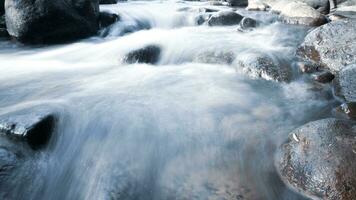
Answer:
(319, 158)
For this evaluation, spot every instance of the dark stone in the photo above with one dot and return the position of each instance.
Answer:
(2, 7)
(149, 54)
(240, 3)
(247, 24)
(48, 21)
(35, 126)
(3, 31)
(331, 45)
(108, 1)
(225, 18)
(107, 19)
(207, 10)
(319, 159)
(324, 77)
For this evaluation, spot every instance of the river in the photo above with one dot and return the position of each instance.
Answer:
(190, 127)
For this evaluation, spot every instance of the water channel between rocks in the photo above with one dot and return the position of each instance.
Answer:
(192, 126)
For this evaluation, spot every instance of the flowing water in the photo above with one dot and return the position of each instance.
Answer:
(190, 127)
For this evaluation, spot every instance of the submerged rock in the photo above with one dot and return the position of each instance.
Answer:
(225, 18)
(34, 126)
(7, 162)
(258, 65)
(149, 54)
(51, 21)
(247, 24)
(331, 45)
(319, 159)
(215, 57)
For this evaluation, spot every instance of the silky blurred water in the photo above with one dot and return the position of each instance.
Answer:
(190, 127)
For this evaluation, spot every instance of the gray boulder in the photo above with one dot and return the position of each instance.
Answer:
(345, 83)
(48, 21)
(319, 159)
(225, 18)
(331, 45)
(257, 65)
(297, 12)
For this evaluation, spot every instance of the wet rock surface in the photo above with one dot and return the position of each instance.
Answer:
(3, 31)
(308, 67)
(215, 57)
(318, 159)
(324, 77)
(258, 65)
(248, 24)
(35, 126)
(149, 54)
(51, 21)
(331, 45)
(225, 18)
(346, 110)
(238, 2)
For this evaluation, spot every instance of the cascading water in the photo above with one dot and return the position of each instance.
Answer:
(190, 127)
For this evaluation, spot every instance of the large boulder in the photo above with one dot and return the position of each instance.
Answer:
(296, 12)
(225, 18)
(48, 21)
(2, 7)
(345, 83)
(331, 45)
(320, 5)
(319, 159)
(258, 65)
